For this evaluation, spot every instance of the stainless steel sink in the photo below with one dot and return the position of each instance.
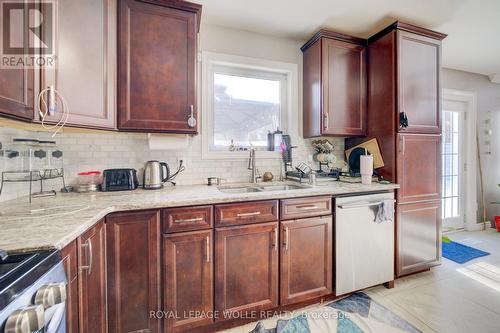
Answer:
(283, 187)
(244, 189)
(261, 188)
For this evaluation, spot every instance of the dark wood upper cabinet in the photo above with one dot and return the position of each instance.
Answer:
(17, 93)
(92, 280)
(133, 271)
(418, 167)
(306, 259)
(246, 268)
(419, 66)
(334, 85)
(69, 256)
(93, 71)
(418, 237)
(188, 279)
(157, 47)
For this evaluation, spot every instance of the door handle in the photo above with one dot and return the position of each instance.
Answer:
(208, 248)
(191, 119)
(88, 246)
(325, 120)
(276, 241)
(286, 239)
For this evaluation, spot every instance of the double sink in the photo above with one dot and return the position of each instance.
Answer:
(261, 188)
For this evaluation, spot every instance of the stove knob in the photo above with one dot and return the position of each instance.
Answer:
(51, 294)
(26, 320)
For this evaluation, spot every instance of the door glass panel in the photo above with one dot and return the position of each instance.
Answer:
(451, 174)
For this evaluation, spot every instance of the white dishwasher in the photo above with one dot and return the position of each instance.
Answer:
(364, 249)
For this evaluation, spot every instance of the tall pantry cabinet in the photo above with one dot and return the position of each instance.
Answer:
(404, 107)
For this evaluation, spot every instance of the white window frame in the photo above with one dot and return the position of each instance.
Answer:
(289, 111)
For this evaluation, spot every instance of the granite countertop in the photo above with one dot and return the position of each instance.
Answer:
(56, 221)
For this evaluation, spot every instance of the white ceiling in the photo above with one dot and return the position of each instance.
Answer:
(473, 26)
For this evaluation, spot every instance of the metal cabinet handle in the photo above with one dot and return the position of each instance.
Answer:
(325, 120)
(247, 214)
(286, 238)
(198, 219)
(276, 241)
(307, 207)
(208, 248)
(361, 205)
(191, 119)
(88, 246)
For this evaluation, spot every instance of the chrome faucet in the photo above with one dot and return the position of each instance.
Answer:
(251, 166)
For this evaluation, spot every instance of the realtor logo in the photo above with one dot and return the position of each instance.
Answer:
(27, 33)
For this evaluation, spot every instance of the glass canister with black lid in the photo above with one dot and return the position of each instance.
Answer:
(54, 158)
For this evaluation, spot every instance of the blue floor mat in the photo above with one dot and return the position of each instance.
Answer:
(460, 253)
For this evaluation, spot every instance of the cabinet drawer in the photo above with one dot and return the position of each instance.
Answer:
(187, 219)
(247, 212)
(305, 207)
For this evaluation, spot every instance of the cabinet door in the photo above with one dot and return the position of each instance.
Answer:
(419, 236)
(70, 262)
(246, 268)
(418, 82)
(16, 93)
(188, 274)
(86, 62)
(306, 259)
(133, 252)
(344, 88)
(156, 64)
(92, 280)
(419, 167)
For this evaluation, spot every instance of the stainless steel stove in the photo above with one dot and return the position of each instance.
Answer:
(32, 292)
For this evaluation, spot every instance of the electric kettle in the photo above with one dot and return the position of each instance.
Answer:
(155, 174)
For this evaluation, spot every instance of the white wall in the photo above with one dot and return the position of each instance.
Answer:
(488, 107)
(98, 151)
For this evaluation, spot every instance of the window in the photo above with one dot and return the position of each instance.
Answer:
(243, 100)
(246, 106)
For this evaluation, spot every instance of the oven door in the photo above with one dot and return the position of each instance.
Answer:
(55, 319)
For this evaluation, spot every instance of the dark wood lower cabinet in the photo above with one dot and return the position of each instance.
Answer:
(306, 259)
(418, 236)
(70, 261)
(246, 268)
(92, 280)
(188, 279)
(133, 275)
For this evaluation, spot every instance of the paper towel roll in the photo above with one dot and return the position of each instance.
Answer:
(168, 142)
(366, 168)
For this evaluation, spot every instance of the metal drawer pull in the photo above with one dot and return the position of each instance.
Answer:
(208, 249)
(361, 205)
(88, 245)
(247, 214)
(198, 219)
(307, 207)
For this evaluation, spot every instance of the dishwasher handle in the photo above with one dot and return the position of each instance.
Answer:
(361, 204)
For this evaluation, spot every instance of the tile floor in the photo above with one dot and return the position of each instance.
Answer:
(451, 298)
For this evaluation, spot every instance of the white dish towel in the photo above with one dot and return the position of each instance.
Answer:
(385, 212)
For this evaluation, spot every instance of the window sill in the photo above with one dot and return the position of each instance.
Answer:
(239, 155)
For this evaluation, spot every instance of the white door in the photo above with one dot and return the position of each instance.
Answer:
(453, 164)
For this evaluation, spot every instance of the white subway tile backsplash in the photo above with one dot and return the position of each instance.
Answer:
(84, 151)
